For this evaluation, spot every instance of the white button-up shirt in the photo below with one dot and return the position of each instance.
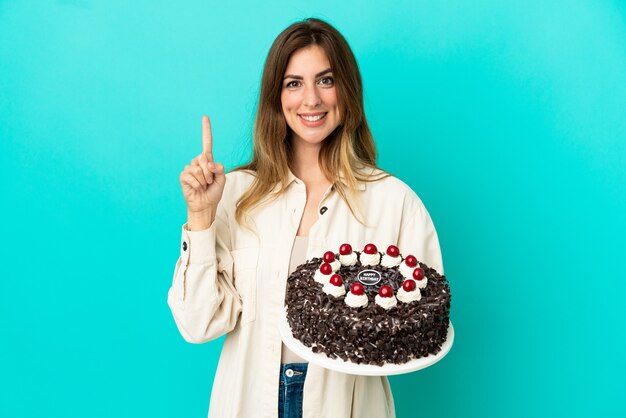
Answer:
(232, 280)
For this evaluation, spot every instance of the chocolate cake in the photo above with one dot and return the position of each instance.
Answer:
(367, 307)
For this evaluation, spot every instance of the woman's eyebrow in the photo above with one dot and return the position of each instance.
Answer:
(299, 77)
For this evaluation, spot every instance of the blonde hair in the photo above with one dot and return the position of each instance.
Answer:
(345, 153)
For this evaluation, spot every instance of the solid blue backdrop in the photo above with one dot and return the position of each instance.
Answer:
(507, 119)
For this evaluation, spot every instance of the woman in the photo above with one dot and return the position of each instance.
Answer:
(312, 185)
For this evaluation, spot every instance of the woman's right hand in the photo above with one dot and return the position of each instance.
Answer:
(203, 180)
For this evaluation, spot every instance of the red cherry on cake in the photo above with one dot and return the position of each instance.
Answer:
(335, 280)
(357, 289)
(326, 268)
(370, 249)
(409, 285)
(418, 274)
(410, 261)
(393, 251)
(345, 249)
(329, 256)
(385, 291)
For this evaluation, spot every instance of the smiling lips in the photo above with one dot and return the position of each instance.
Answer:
(312, 120)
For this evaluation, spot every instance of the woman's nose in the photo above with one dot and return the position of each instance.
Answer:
(311, 96)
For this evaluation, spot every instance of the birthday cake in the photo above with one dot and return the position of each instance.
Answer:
(368, 307)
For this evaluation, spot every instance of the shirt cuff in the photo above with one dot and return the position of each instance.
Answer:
(198, 247)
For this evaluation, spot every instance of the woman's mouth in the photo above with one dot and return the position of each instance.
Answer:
(313, 120)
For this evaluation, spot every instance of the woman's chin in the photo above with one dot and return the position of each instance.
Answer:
(309, 139)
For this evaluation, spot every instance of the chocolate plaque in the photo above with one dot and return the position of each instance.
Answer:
(369, 277)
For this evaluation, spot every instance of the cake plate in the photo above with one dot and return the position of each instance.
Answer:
(340, 365)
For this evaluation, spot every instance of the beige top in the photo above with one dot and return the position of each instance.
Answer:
(232, 280)
(298, 256)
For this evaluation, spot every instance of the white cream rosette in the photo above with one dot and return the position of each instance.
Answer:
(356, 301)
(336, 291)
(386, 303)
(406, 271)
(389, 261)
(408, 297)
(370, 259)
(421, 283)
(348, 260)
(321, 277)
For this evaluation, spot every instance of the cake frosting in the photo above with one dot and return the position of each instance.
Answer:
(348, 260)
(386, 309)
(356, 301)
(389, 261)
(347, 257)
(386, 303)
(408, 296)
(334, 287)
(406, 270)
(322, 274)
(369, 259)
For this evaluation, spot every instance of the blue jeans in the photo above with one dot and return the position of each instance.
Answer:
(292, 377)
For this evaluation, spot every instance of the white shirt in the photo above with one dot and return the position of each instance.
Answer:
(230, 280)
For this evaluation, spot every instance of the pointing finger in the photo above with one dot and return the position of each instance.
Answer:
(207, 138)
(202, 161)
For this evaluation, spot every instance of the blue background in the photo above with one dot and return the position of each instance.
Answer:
(507, 118)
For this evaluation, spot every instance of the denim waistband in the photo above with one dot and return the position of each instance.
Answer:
(291, 373)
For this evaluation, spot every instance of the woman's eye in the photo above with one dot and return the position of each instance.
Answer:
(292, 84)
(327, 80)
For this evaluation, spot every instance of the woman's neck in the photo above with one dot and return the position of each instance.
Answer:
(306, 164)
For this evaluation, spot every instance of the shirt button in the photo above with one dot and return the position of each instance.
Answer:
(323, 209)
(289, 373)
(184, 246)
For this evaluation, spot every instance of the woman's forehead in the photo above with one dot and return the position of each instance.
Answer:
(307, 61)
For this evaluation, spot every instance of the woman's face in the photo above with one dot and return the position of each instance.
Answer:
(308, 97)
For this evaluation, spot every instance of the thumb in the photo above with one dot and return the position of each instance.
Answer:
(218, 172)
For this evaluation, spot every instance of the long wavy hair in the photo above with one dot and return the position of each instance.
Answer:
(345, 155)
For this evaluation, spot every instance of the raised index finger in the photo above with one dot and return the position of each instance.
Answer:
(207, 138)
